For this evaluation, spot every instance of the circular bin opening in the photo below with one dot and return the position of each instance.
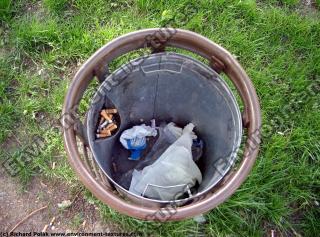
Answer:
(167, 87)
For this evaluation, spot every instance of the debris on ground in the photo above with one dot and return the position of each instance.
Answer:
(64, 204)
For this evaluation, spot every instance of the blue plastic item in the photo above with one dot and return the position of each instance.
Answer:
(136, 146)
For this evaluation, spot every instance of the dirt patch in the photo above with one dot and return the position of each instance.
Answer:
(309, 3)
(308, 7)
(16, 203)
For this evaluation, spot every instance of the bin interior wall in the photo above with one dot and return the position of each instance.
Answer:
(168, 87)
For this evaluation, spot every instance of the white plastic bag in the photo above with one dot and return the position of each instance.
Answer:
(175, 132)
(136, 134)
(172, 174)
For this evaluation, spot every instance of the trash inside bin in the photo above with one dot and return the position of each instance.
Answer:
(172, 175)
(167, 87)
(107, 123)
(134, 139)
(168, 134)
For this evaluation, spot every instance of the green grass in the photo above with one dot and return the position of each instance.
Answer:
(43, 42)
(5, 9)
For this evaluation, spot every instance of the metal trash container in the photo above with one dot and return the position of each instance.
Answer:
(167, 86)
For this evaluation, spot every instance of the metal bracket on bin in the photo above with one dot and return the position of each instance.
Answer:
(217, 65)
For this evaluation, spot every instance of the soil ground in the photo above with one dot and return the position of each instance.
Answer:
(17, 203)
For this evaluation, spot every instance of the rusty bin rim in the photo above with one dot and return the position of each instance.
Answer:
(219, 59)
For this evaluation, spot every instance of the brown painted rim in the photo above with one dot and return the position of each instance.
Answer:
(216, 55)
